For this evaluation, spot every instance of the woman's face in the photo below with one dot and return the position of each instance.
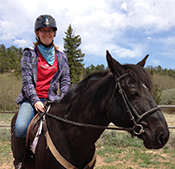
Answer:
(46, 35)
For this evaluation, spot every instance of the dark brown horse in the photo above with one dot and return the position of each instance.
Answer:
(121, 96)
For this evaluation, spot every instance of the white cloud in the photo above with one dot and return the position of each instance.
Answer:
(22, 43)
(135, 51)
(7, 30)
(124, 6)
(155, 62)
(149, 38)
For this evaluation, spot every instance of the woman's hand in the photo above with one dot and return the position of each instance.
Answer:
(39, 106)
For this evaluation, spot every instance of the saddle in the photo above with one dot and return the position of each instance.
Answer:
(32, 131)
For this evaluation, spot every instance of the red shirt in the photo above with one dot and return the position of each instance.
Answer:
(45, 73)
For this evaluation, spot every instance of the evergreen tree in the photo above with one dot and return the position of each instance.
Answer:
(3, 59)
(74, 55)
(14, 57)
(10, 59)
(91, 69)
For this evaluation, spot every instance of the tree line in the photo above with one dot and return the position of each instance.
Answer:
(10, 59)
(161, 71)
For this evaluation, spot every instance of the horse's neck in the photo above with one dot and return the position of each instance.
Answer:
(91, 107)
(88, 108)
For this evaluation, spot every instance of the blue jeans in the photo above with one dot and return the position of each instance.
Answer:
(25, 115)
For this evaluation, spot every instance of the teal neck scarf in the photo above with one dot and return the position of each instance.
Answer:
(48, 54)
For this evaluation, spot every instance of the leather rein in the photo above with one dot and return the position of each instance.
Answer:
(137, 128)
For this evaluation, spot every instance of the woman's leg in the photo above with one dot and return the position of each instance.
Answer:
(18, 138)
(25, 115)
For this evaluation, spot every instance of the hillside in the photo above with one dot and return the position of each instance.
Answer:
(167, 86)
(10, 87)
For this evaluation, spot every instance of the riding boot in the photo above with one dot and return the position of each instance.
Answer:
(18, 146)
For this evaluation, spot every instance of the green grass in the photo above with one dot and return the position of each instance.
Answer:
(10, 87)
(118, 139)
(119, 150)
(6, 118)
(5, 149)
(6, 155)
(168, 96)
(5, 135)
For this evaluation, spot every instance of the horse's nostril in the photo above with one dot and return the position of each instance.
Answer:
(161, 139)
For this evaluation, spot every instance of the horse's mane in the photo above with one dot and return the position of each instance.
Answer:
(77, 89)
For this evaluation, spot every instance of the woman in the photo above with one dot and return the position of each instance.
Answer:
(43, 67)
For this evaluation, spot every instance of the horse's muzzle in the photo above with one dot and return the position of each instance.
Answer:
(156, 139)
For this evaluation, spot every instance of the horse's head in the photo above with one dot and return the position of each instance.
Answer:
(137, 109)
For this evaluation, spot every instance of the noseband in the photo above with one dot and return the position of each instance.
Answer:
(132, 112)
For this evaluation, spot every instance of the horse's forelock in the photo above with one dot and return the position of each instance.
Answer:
(140, 75)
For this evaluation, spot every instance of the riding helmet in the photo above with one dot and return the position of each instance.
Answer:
(45, 21)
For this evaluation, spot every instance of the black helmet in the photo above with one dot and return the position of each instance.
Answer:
(45, 21)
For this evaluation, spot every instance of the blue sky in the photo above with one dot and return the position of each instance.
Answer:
(128, 29)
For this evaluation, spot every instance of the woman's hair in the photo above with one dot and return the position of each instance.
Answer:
(37, 43)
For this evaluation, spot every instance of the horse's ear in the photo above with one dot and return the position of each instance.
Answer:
(113, 65)
(143, 61)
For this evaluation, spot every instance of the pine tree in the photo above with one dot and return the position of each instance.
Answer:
(74, 55)
(3, 59)
(10, 59)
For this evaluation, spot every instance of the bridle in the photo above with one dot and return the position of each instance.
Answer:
(137, 128)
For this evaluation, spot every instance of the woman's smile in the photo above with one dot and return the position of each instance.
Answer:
(46, 35)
